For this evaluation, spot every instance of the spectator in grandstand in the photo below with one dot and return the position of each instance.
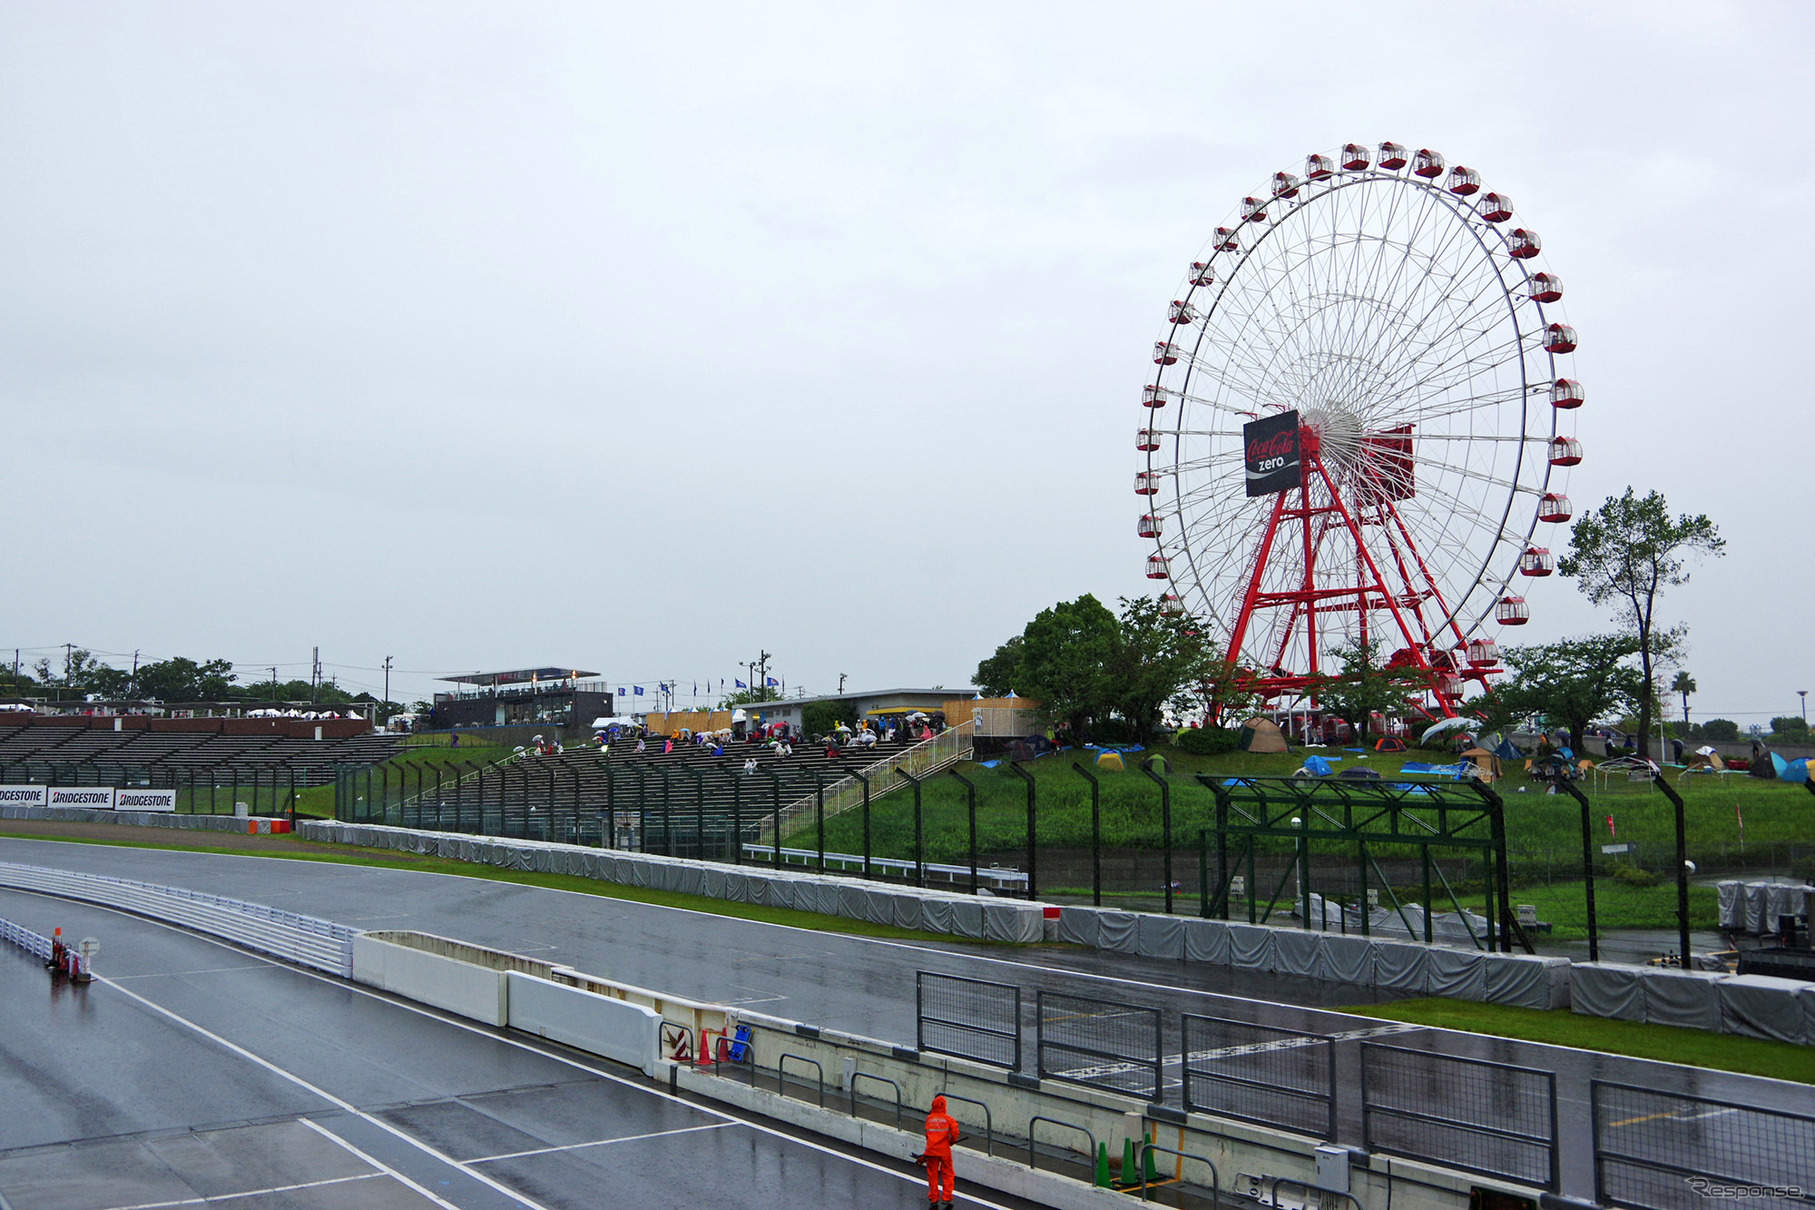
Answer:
(784, 748)
(750, 765)
(642, 746)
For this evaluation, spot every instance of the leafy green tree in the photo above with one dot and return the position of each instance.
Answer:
(1721, 729)
(996, 675)
(822, 718)
(749, 697)
(1363, 688)
(1790, 729)
(1161, 661)
(180, 679)
(1572, 682)
(1628, 552)
(1066, 654)
(78, 673)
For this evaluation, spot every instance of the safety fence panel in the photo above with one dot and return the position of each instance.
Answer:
(1098, 1042)
(32, 943)
(968, 1018)
(1491, 1118)
(1656, 1150)
(1259, 1073)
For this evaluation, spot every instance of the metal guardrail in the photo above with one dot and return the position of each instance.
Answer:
(1283, 1077)
(968, 1018)
(305, 940)
(1090, 1155)
(781, 1074)
(864, 1075)
(1144, 1154)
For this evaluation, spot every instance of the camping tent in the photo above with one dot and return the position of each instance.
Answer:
(1762, 766)
(1110, 761)
(1262, 735)
(1481, 763)
(1389, 743)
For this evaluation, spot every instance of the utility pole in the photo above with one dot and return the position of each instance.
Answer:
(132, 686)
(841, 677)
(314, 676)
(386, 707)
(274, 684)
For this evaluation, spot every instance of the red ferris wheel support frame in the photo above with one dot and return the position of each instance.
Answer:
(1322, 518)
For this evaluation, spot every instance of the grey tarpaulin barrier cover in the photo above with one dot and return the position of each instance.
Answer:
(1526, 981)
(960, 914)
(1732, 909)
(1687, 998)
(1115, 932)
(1346, 960)
(1078, 925)
(1207, 941)
(1607, 989)
(1252, 947)
(1295, 952)
(1159, 936)
(1762, 1006)
(1456, 973)
(1402, 965)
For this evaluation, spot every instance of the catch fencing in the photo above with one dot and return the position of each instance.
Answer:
(1656, 1150)
(1099, 1043)
(1282, 1077)
(968, 1019)
(1491, 1118)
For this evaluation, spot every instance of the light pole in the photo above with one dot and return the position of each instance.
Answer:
(1804, 695)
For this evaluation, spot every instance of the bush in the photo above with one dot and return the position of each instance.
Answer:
(821, 718)
(1721, 728)
(1208, 741)
(1631, 875)
(1111, 731)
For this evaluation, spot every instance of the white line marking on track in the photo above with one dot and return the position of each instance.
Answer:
(213, 970)
(386, 1169)
(347, 985)
(327, 1096)
(227, 1197)
(629, 1138)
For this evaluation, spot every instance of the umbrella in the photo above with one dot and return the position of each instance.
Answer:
(1448, 724)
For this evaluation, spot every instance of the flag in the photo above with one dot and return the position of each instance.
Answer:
(622, 691)
(663, 686)
(639, 690)
(1610, 828)
(773, 682)
(696, 689)
(738, 683)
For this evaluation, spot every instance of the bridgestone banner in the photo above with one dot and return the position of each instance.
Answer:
(94, 798)
(1270, 448)
(144, 800)
(23, 796)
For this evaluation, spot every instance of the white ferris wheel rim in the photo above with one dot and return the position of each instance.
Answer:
(1368, 300)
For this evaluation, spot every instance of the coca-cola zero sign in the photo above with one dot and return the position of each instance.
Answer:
(1270, 448)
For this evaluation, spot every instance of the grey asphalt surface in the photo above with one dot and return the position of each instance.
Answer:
(863, 985)
(191, 1070)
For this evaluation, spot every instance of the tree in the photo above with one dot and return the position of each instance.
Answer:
(1684, 684)
(996, 675)
(1721, 729)
(1160, 660)
(1572, 682)
(1628, 552)
(822, 718)
(81, 673)
(1363, 688)
(1066, 653)
(180, 679)
(1790, 729)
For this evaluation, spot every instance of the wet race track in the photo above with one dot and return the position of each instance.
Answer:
(441, 1102)
(194, 1073)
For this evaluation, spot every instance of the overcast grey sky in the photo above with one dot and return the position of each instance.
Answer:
(644, 338)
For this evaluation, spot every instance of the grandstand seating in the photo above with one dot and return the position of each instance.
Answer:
(76, 752)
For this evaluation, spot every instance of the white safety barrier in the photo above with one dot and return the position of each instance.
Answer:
(305, 940)
(25, 939)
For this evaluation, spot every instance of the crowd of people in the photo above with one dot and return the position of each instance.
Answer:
(778, 738)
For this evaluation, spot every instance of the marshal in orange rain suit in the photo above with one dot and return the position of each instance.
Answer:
(941, 1132)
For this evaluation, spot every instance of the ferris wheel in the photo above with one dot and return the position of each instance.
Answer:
(1359, 425)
